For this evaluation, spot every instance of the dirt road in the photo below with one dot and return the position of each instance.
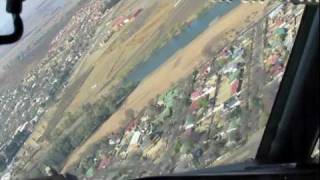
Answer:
(159, 81)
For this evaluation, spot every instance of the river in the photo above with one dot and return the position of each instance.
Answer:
(199, 25)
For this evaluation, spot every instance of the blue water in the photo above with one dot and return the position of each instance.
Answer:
(161, 55)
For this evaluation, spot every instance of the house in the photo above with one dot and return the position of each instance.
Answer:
(118, 23)
(211, 81)
(90, 172)
(194, 106)
(275, 12)
(105, 161)
(226, 52)
(189, 124)
(238, 52)
(114, 139)
(131, 125)
(155, 150)
(126, 21)
(135, 139)
(135, 14)
(278, 22)
(235, 86)
(281, 32)
(273, 59)
(145, 118)
(196, 95)
(229, 69)
(231, 103)
(234, 75)
(277, 69)
(155, 136)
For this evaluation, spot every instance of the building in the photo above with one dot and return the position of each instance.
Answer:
(118, 23)
(136, 137)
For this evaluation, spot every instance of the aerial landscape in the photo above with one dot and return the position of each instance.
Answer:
(96, 87)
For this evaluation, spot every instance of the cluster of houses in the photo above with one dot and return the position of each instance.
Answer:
(11, 147)
(81, 25)
(177, 123)
(189, 129)
(24, 104)
(283, 24)
(29, 100)
(116, 25)
(185, 128)
(121, 21)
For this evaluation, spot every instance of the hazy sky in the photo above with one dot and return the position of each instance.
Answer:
(5, 18)
(29, 8)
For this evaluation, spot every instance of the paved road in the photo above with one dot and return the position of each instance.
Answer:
(258, 43)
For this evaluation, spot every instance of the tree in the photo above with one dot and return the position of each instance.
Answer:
(258, 79)
(130, 114)
(3, 164)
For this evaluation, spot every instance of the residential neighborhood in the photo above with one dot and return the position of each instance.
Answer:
(222, 103)
(206, 116)
(30, 100)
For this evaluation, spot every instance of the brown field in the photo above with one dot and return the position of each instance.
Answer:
(111, 64)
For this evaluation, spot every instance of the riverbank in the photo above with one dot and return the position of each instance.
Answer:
(195, 28)
(112, 63)
(179, 66)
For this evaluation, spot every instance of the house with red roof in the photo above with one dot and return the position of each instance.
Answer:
(277, 69)
(235, 86)
(131, 125)
(196, 95)
(194, 106)
(273, 59)
(105, 161)
(118, 23)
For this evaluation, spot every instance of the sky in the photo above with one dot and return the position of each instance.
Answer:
(29, 8)
(5, 19)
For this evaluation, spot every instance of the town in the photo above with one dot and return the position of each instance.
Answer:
(24, 106)
(196, 124)
(208, 115)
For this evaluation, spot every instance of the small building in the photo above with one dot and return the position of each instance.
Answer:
(135, 14)
(277, 69)
(275, 12)
(231, 103)
(234, 75)
(234, 86)
(90, 172)
(118, 23)
(238, 52)
(273, 59)
(189, 124)
(114, 139)
(194, 106)
(105, 161)
(281, 32)
(135, 139)
(131, 125)
(195, 95)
